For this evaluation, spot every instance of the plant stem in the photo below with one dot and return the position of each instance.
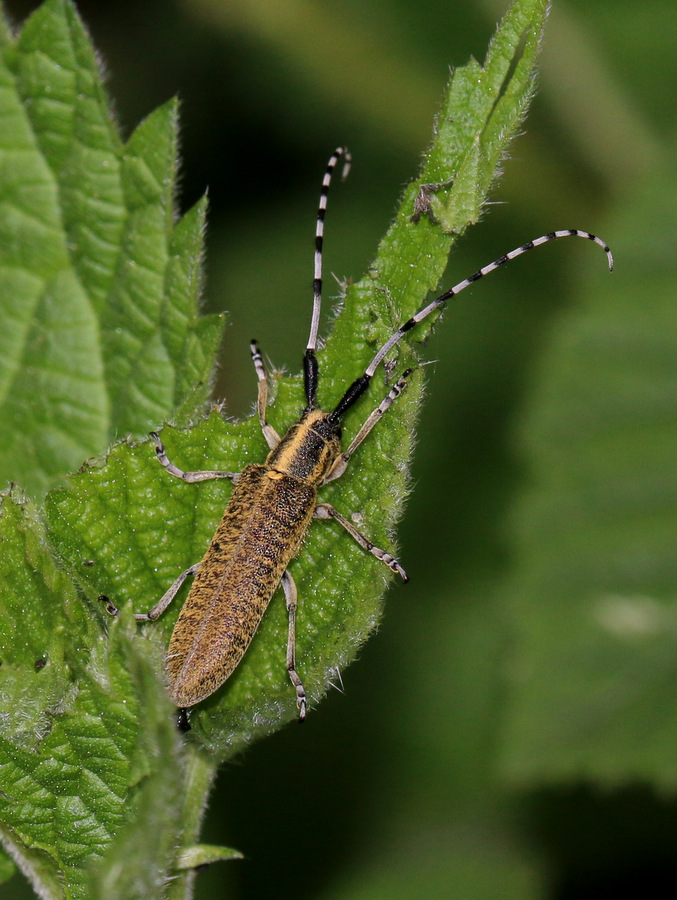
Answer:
(200, 772)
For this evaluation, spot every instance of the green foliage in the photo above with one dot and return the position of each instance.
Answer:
(597, 651)
(99, 286)
(87, 743)
(105, 338)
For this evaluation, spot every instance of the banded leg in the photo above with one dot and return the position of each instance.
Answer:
(327, 511)
(162, 603)
(342, 461)
(291, 598)
(269, 433)
(189, 477)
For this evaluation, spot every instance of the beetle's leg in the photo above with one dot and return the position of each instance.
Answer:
(342, 461)
(327, 511)
(269, 433)
(162, 603)
(290, 595)
(190, 477)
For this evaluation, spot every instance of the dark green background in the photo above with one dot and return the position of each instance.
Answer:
(393, 789)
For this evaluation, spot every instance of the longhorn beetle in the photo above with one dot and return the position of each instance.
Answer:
(272, 505)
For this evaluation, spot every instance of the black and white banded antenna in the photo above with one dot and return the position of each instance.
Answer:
(360, 384)
(310, 359)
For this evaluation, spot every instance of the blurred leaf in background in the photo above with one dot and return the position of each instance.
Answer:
(530, 663)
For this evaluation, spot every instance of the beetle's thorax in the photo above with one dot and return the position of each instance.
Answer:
(309, 448)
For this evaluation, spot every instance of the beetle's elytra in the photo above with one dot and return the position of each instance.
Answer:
(273, 503)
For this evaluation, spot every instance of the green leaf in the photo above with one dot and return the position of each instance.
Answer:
(481, 111)
(142, 528)
(594, 593)
(98, 796)
(205, 855)
(474, 866)
(90, 756)
(42, 620)
(98, 284)
(141, 857)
